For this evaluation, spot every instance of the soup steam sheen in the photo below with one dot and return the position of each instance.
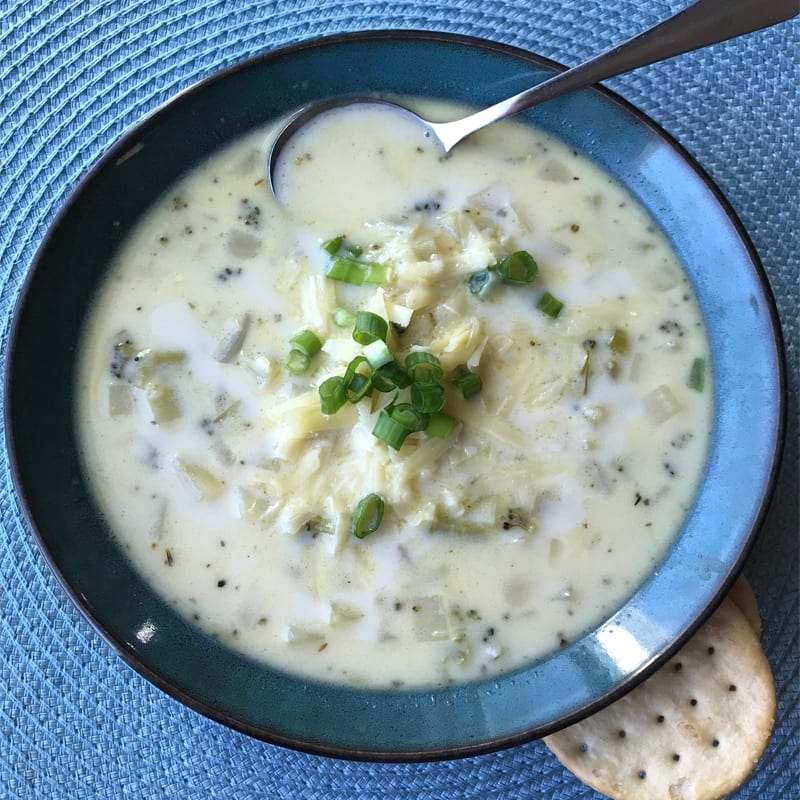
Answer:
(539, 355)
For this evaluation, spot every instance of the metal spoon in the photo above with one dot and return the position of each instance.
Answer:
(703, 23)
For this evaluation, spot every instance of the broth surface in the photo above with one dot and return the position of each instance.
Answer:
(561, 484)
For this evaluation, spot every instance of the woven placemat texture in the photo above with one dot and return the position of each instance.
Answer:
(75, 721)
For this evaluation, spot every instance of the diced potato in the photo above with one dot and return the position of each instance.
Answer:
(241, 244)
(120, 401)
(430, 620)
(555, 171)
(662, 404)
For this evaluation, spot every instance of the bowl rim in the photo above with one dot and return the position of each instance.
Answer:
(122, 145)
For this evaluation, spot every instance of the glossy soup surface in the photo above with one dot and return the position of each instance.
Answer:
(558, 488)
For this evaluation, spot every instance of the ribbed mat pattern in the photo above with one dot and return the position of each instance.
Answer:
(75, 722)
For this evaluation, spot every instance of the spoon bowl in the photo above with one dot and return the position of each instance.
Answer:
(701, 24)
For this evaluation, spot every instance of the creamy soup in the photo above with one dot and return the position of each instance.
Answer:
(428, 420)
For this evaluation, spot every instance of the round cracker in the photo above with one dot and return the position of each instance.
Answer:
(742, 594)
(693, 731)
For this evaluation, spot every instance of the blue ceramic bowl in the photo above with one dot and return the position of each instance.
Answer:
(395, 725)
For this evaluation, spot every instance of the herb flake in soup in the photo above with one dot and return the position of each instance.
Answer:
(427, 421)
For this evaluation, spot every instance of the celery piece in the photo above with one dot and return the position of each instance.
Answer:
(298, 635)
(445, 523)
(164, 404)
(697, 375)
(147, 362)
(342, 614)
(207, 485)
(519, 518)
(619, 341)
(231, 343)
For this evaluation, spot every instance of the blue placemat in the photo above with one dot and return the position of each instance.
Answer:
(75, 722)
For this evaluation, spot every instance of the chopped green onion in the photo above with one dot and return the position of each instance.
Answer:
(390, 430)
(369, 327)
(697, 375)
(347, 270)
(518, 269)
(423, 367)
(333, 246)
(297, 363)
(331, 395)
(343, 318)
(353, 366)
(369, 515)
(376, 272)
(427, 398)
(408, 416)
(440, 425)
(469, 383)
(479, 283)
(549, 305)
(307, 342)
(358, 387)
(390, 376)
(378, 354)
(356, 384)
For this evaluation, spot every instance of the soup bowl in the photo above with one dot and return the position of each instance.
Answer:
(449, 721)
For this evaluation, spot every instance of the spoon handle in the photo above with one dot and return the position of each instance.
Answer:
(703, 23)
